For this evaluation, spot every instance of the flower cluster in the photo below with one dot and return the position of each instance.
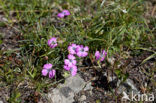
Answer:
(79, 50)
(63, 14)
(70, 63)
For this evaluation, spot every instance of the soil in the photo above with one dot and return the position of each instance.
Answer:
(102, 90)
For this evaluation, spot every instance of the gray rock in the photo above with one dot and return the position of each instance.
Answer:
(82, 98)
(131, 84)
(128, 86)
(57, 97)
(76, 83)
(111, 60)
(88, 86)
(1, 101)
(64, 93)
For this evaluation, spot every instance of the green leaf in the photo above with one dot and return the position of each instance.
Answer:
(1, 41)
(66, 74)
(117, 71)
(2, 24)
(125, 76)
(148, 58)
(98, 101)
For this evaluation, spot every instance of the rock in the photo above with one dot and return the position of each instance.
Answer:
(111, 60)
(128, 86)
(88, 86)
(82, 98)
(76, 83)
(64, 93)
(1, 101)
(131, 84)
(58, 97)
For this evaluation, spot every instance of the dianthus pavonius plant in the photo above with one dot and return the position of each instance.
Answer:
(70, 64)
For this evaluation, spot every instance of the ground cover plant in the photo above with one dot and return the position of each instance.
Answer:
(43, 42)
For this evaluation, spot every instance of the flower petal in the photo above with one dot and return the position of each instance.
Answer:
(66, 61)
(52, 73)
(47, 66)
(66, 67)
(79, 54)
(74, 62)
(66, 12)
(60, 15)
(86, 48)
(44, 72)
(74, 70)
(72, 57)
(84, 54)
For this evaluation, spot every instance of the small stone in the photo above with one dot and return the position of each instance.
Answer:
(111, 60)
(131, 84)
(82, 98)
(1, 101)
(76, 83)
(90, 92)
(88, 86)
(128, 86)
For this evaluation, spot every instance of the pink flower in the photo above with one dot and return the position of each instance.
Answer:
(82, 51)
(60, 15)
(100, 56)
(72, 69)
(47, 66)
(47, 69)
(44, 72)
(63, 14)
(52, 42)
(72, 57)
(70, 61)
(72, 49)
(66, 12)
(66, 67)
